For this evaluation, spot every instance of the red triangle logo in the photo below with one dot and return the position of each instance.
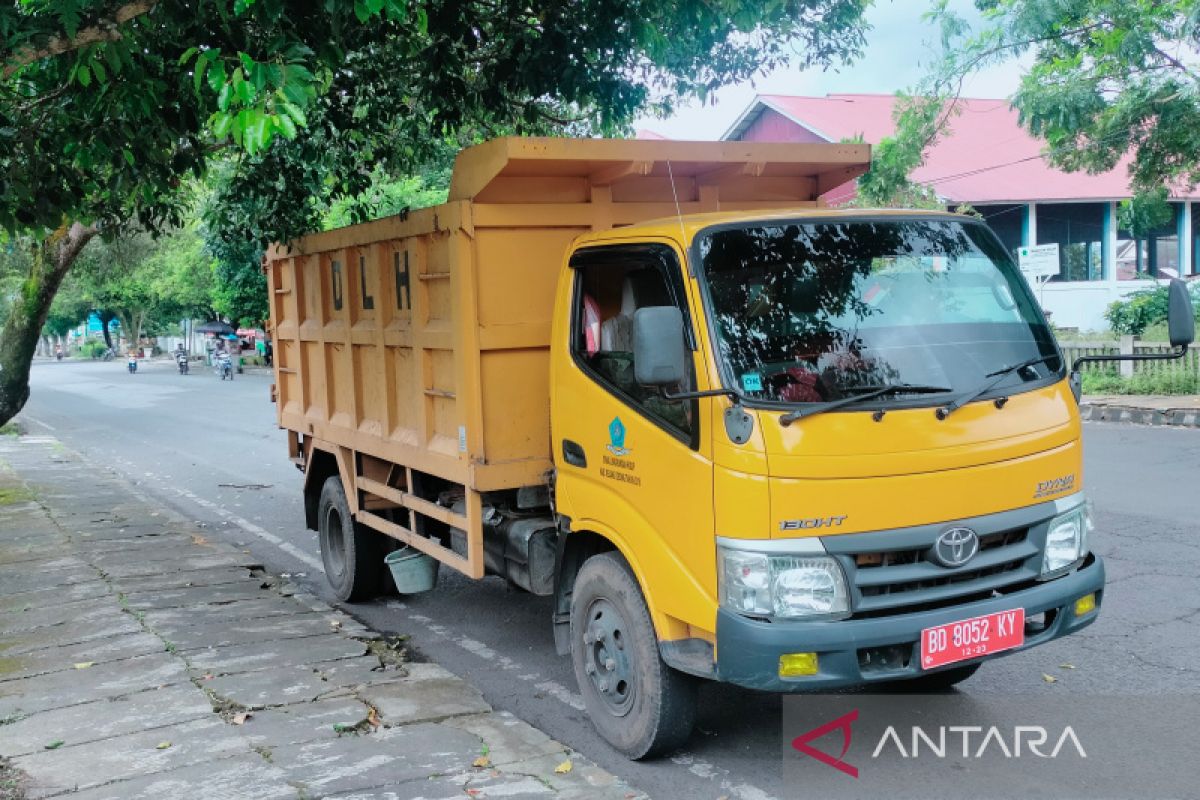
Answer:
(842, 723)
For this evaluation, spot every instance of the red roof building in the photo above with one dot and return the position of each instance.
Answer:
(990, 162)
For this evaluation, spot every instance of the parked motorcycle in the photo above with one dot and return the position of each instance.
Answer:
(132, 363)
(224, 365)
(181, 360)
(108, 354)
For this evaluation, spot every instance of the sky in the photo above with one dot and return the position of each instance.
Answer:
(898, 47)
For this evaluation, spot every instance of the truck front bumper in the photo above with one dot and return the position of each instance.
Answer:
(856, 652)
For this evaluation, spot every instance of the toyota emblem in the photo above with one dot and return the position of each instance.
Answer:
(955, 547)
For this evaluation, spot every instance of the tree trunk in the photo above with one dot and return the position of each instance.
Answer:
(52, 259)
(126, 330)
(105, 318)
(139, 318)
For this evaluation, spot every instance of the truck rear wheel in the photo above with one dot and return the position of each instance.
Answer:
(639, 704)
(352, 554)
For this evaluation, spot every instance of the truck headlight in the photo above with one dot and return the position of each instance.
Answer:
(1066, 540)
(781, 586)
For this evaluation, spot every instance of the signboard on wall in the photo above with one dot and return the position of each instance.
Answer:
(1038, 261)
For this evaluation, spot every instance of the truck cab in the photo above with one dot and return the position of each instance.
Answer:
(811, 437)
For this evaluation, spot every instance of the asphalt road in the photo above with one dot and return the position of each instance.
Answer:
(211, 449)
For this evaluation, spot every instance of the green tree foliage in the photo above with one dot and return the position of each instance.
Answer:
(1144, 308)
(388, 196)
(14, 265)
(68, 310)
(106, 106)
(1110, 78)
(147, 283)
(1145, 213)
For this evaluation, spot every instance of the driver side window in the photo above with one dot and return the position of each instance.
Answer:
(611, 284)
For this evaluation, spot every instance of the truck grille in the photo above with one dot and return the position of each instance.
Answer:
(903, 580)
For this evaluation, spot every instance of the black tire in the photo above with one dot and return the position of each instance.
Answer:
(641, 706)
(939, 681)
(352, 554)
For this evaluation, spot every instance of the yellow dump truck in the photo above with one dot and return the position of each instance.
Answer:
(734, 433)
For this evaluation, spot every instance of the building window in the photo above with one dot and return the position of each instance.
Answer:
(1078, 230)
(1155, 255)
(1006, 222)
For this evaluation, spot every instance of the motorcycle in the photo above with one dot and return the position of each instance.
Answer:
(108, 354)
(224, 365)
(181, 360)
(58, 353)
(132, 363)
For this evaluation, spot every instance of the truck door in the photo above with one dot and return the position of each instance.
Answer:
(631, 462)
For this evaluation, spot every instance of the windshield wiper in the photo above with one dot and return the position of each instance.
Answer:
(987, 386)
(880, 391)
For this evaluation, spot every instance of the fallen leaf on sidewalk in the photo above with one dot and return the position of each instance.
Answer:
(335, 623)
(373, 718)
(1066, 666)
(481, 762)
(241, 717)
(564, 768)
(1049, 678)
(57, 743)
(162, 745)
(472, 792)
(84, 664)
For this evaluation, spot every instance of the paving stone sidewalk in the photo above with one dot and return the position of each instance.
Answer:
(140, 659)
(1177, 410)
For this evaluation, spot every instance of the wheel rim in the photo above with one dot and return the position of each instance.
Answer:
(607, 660)
(335, 551)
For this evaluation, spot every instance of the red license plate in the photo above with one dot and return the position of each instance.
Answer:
(972, 638)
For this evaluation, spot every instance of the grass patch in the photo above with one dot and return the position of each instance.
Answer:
(12, 495)
(1109, 381)
(390, 650)
(10, 429)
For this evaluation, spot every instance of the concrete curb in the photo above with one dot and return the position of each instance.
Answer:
(145, 658)
(1177, 417)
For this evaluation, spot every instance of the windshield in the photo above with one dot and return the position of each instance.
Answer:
(813, 312)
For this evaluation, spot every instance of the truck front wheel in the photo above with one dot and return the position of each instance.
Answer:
(639, 704)
(351, 554)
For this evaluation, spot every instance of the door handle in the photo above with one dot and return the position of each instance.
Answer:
(573, 453)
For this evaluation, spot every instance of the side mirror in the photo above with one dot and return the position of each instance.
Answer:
(1181, 317)
(658, 348)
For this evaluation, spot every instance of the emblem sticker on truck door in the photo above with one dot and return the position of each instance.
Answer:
(616, 467)
(616, 437)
